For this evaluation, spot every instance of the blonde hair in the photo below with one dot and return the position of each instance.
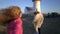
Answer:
(13, 12)
(9, 13)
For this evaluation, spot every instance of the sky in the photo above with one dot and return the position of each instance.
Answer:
(47, 6)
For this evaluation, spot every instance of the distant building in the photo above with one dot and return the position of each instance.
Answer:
(28, 10)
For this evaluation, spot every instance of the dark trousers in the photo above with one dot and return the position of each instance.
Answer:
(39, 30)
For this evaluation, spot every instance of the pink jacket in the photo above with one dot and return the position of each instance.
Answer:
(15, 27)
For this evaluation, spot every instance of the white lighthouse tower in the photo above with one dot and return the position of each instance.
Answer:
(38, 18)
(36, 5)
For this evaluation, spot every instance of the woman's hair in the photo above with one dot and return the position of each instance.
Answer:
(13, 12)
(10, 13)
(35, 13)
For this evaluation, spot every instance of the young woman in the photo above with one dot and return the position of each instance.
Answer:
(14, 24)
(38, 21)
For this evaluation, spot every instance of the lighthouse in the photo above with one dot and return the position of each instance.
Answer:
(38, 18)
(36, 5)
